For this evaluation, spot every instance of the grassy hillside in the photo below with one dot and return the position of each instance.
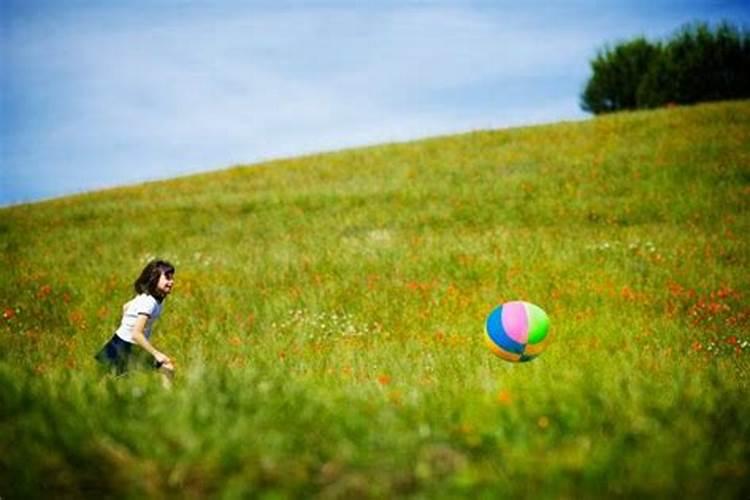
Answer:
(328, 317)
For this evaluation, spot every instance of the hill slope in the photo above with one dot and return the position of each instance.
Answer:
(328, 320)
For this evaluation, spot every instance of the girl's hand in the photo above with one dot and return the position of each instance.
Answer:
(165, 367)
(162, 360)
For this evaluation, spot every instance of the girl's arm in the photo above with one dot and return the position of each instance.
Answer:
(140, 339)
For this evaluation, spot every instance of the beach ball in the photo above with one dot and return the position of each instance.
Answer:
(517, 331)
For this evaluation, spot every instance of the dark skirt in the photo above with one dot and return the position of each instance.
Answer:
(115, 354)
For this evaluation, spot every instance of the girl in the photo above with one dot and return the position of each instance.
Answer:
(151, 288)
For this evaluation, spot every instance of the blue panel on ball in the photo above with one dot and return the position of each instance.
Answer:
(495, 322)
(497, 333)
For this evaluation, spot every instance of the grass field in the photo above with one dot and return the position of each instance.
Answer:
(328, 321)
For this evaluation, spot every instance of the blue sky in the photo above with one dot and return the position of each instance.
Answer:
(99, 94)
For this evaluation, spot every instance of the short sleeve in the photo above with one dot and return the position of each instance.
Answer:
(144, 304)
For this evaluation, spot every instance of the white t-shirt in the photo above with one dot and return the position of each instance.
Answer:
(141, 304)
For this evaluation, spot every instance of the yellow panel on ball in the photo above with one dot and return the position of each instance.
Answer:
(535, 349)
(507, 356)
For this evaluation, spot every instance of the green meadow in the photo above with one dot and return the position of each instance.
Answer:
(327, 322)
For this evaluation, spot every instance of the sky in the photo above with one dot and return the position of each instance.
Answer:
(101, 94)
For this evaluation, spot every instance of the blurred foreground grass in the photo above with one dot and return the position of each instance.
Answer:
(328, 317)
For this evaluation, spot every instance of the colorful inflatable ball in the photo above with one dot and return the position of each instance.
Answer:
(517, 331)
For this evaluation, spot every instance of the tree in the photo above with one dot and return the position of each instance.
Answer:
(617, 75)
(696, 65)
(699, 65)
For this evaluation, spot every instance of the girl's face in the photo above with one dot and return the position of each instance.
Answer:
(165, 284)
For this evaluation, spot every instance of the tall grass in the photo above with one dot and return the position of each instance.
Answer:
(328, 316)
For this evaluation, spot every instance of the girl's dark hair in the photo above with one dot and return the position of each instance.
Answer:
(149, 278)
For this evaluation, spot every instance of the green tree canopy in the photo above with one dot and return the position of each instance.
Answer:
(617, 75)
(697, 64)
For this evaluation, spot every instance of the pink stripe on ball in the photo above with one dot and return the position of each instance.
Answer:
(515, 322)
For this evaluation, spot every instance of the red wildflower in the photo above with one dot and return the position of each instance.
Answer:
(77, 318)
(102, 312)
(628, 294)
(44, 291)
(504, 397)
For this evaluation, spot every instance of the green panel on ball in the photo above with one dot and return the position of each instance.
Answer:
(538, 323)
